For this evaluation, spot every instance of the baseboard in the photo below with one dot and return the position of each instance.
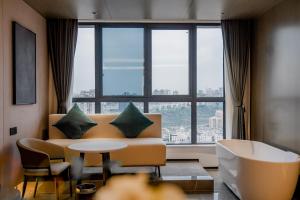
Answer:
(206, 154)
(187, 160)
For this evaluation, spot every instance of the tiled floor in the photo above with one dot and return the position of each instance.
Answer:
(221, 192)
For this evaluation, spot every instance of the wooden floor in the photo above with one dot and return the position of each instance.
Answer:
(46, 191)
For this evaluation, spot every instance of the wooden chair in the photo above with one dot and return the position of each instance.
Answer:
(36, 156)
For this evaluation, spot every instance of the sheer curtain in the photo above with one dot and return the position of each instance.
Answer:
(237, 36)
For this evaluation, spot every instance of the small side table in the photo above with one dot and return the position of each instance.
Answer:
(102, 147)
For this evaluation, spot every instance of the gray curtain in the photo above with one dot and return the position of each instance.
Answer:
(62, 38)
(237, 35)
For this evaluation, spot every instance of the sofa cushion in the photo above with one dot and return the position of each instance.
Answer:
(104, 129)
(131, 121)
(75, 123)
(139, 152)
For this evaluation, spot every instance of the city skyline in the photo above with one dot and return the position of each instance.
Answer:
(123, 61)
(176, 118)
(209, 92)
(123, 75)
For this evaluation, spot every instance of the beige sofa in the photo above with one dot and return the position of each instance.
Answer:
(146, 150)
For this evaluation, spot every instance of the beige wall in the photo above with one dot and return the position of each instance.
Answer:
(1, 87)
(275, 77)
(30, 119)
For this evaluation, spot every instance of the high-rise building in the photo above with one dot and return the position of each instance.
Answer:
(216, 122)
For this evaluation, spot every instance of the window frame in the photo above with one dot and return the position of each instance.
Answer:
(148, 97)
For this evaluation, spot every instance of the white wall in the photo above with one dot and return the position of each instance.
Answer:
(205, 153)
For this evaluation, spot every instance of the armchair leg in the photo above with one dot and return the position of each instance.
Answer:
(35, 187)
(56, 188)
(24, 186)
(158, 170)
(70, 181)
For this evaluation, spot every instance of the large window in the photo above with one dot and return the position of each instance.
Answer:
(84, 63)
(118, 107)
(209, 62)
(172, 69)
(176, 120)
(209, 121)
(170, 58)
(210, 84)
(123, 61)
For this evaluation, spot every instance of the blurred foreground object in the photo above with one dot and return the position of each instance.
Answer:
(136, 187)
(9, 194)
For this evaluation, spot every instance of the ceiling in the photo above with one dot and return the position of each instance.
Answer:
(152, 10)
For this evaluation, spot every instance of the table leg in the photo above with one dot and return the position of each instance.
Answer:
(81, 170)
(106, 167)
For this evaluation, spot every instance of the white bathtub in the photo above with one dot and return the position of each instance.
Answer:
(257, 171)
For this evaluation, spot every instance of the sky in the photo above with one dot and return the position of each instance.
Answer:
(123, 58)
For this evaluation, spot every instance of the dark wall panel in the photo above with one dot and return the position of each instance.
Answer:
(275, 77)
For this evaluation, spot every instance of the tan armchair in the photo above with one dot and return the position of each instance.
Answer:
(36, 156)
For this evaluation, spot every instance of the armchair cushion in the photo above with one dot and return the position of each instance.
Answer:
(56, 169)
(75, 123)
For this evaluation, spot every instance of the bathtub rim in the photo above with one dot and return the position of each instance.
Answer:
(259, 160)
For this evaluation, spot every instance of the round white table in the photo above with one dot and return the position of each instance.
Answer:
(102, 147)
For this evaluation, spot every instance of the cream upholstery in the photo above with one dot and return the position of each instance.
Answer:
(146, 150)
(56, 169)
(104, 129)
(53, 151)
(140, 151)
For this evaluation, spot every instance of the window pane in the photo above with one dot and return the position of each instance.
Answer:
(176, 121)
(123, 61)
(118, 107)
(84, 64)
(170, 62)
(209, 62)
(209, 121)
(87, 107)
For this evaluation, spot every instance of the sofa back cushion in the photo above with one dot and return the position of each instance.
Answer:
(104, 129)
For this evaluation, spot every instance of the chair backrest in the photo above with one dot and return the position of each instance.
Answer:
(31, 156)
